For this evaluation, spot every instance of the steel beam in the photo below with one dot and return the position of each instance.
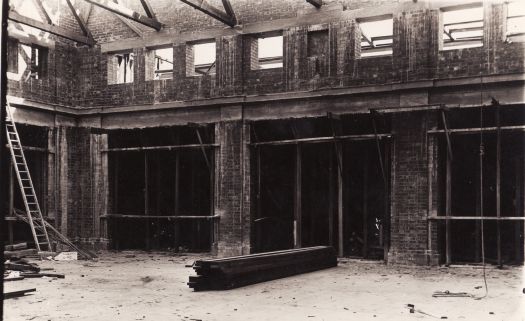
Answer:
(148, 9)
(205, 7)
(58, 31)
(127, 13)
(79, 20)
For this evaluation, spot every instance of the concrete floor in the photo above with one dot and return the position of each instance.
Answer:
(152, 286)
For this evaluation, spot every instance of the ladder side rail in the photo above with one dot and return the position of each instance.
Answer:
(41, 225)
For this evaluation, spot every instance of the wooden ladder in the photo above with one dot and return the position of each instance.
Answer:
(34, 214)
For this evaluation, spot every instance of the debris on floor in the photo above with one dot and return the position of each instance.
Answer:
(16, 294)
(66, 256)
(448, 294)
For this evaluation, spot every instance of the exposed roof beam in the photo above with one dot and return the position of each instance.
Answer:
(79, 20)
(87, 13)
(127, 13)
(58, 31)
(129, 24)
(213, 12)
(315, 3)
(229, 10)
(148, 9)
(46, 15)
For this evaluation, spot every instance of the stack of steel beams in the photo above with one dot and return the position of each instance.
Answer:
(232, 272)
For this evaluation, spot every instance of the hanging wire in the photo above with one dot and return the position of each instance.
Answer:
(481, 154)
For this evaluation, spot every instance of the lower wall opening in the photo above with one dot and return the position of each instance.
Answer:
(297, 183)
(34, 141)
(482, 188)
(161, 192)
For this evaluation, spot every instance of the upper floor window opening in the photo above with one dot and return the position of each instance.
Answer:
(163, 63)
(200, 58)
(120, 68)
(269, 52)
(36, 60)
(376, 36)
(516, 21)
(462, 27)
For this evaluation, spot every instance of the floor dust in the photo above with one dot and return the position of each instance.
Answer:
(152, 286)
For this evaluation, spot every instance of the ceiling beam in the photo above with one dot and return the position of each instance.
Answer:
(210, 10)
(55, 30)
(315, 3)
(40, 5)
(229, 10)
(127, 13)
(131, 26)
(79, 20)
(128, 23)
(148, 9)
(87, 13)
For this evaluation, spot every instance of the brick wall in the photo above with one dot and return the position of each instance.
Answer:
(78, 76)
(409, 195)
(416, 56)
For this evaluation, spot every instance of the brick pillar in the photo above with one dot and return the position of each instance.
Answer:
(83, 186)
(409, 230)
(233, 188)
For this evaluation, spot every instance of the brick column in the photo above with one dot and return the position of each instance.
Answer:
(409, 228)
(233, 188)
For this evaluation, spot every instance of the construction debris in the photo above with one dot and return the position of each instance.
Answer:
(233, 272)
(16, 294)
(20, 254)
(39, 275)
(16, 247)
(21, 266)
(448, 294)
(66, 256)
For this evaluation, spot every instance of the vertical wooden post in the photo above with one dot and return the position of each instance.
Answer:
(176, 238)
(258, 214)
(498, 185)
(518, 204)
(159, 190)
(298, 198)
(340, 202)
(212, 198)
(477, 234)
(11, 202)
(523, 194)
(384, 230)
(447, 210)
(11, 189)
(331, 200)
(146, 198)
(365, 204)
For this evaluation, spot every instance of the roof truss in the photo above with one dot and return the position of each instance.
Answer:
(148, 9)
(128, 13)
(227, 17)
(47, 27)
(81, 22)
